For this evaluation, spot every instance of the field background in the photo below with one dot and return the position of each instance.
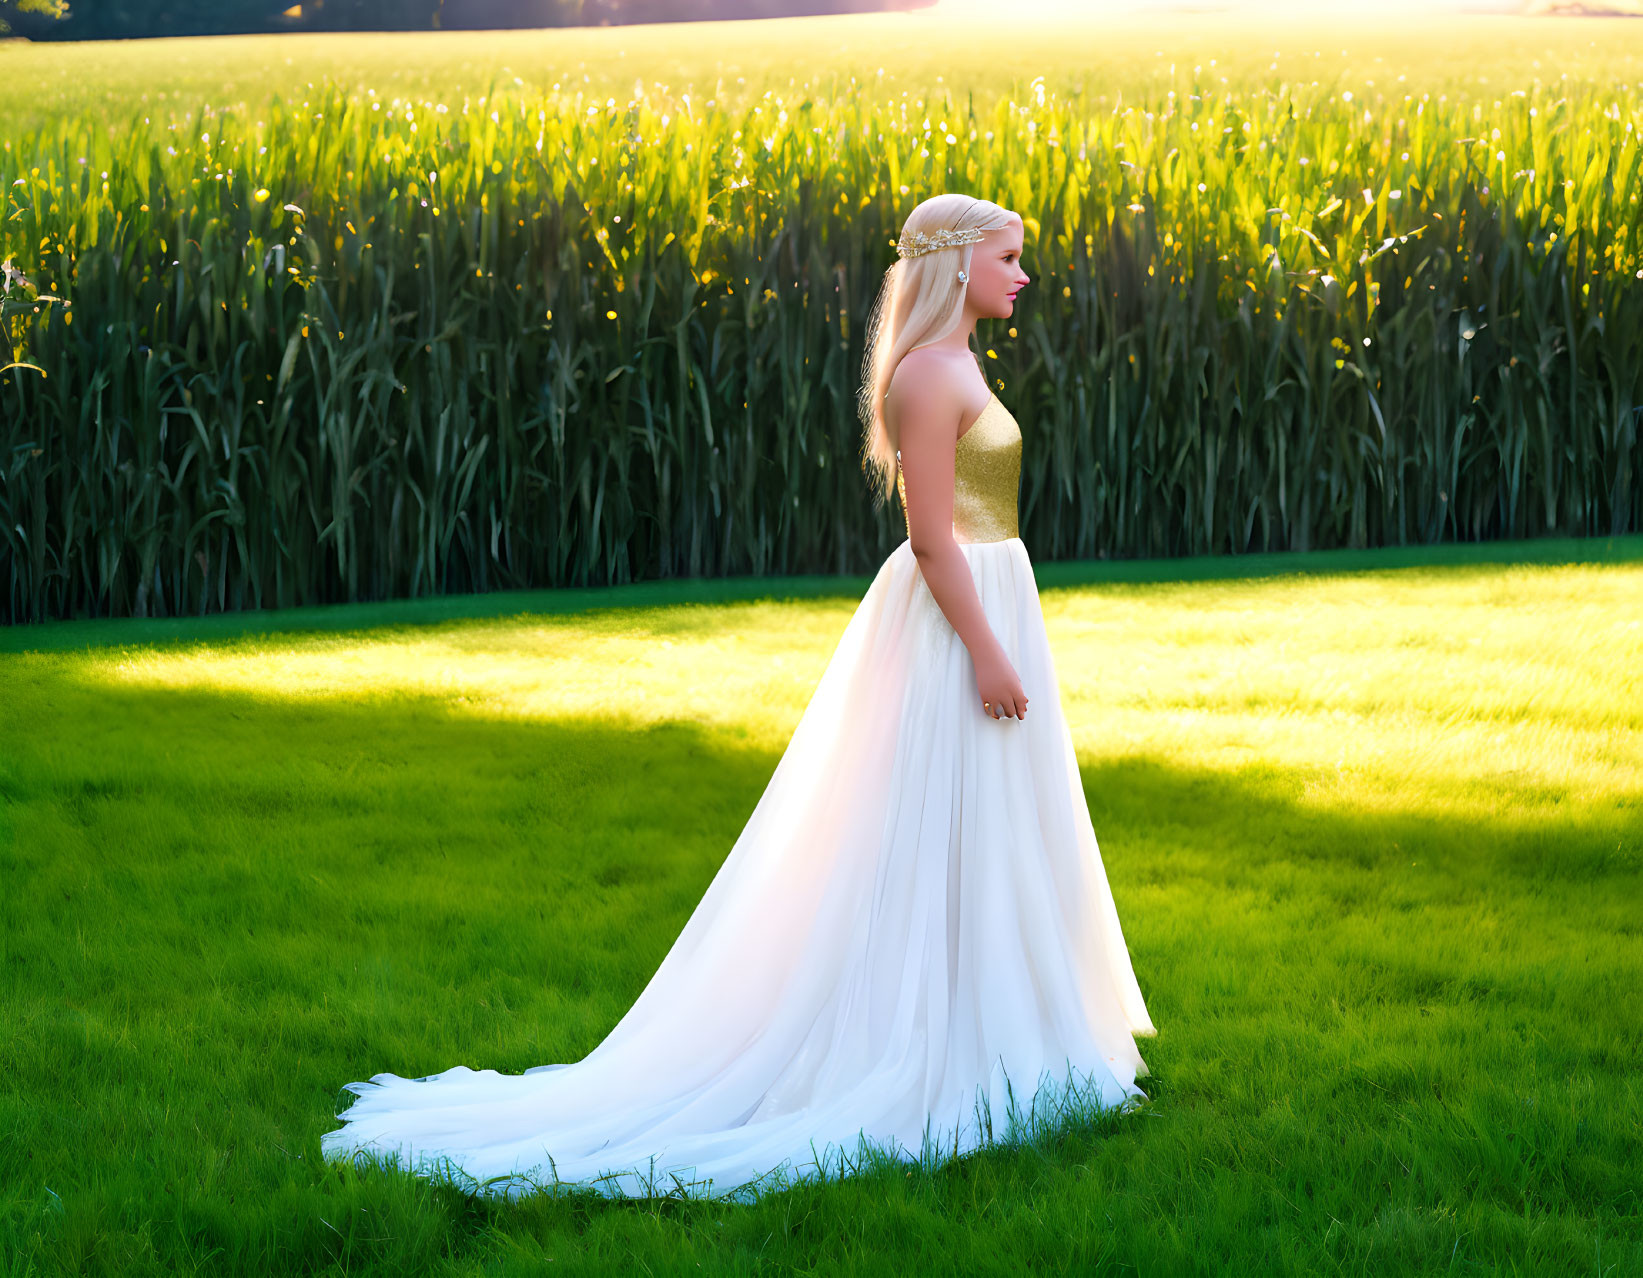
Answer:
(574, 308)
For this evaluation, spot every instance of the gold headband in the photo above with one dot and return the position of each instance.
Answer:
(918, 243)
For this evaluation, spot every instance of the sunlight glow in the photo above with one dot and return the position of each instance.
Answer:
(1079, 11)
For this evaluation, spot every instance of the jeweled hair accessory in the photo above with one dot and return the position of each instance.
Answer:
(918, 242)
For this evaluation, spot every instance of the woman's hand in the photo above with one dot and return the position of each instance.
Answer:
(1000, 688)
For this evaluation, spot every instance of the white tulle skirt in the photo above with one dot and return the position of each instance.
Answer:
(910, 951)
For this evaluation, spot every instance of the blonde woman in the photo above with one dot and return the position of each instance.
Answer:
(911, 949)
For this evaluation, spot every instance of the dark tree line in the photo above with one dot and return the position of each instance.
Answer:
(110, 19)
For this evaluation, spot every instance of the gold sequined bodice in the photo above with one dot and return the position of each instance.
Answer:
(986, 477)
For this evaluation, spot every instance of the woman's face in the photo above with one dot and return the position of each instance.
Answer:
(995, 273)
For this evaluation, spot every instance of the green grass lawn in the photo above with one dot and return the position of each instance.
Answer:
(1374, 822)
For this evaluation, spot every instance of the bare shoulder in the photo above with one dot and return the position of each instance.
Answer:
(926, 395)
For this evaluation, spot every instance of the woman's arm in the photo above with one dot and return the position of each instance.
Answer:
(928, 415)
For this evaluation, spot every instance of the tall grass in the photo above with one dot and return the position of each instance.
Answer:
(353, 345)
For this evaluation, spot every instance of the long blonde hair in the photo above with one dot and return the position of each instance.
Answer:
(920, 301)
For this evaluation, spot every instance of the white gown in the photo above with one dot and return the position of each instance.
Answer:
(910, 951)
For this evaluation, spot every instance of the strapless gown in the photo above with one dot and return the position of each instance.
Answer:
(910, 951)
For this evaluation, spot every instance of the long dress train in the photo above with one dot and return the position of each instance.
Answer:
(911, 949)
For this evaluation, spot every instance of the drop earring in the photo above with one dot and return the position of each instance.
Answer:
(963, 278)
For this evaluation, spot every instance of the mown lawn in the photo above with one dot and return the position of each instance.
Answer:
(1374, 822)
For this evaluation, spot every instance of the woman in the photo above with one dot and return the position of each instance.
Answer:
(911, 949)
